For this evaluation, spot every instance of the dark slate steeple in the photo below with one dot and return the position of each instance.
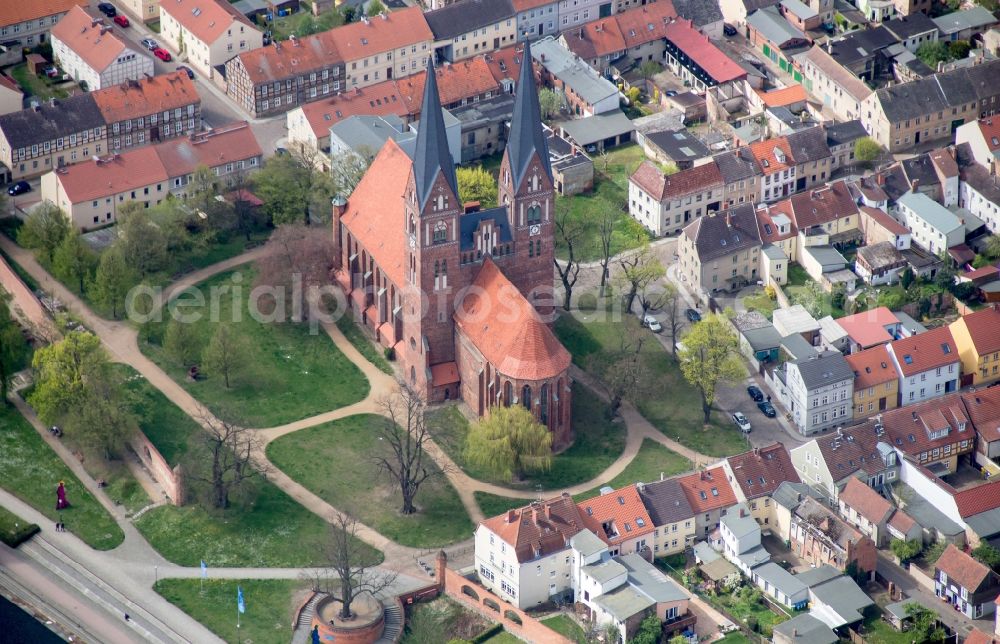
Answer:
(431, 155)
(526, 136)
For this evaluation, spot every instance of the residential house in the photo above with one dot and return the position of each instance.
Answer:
(143, 10)
(50, 135)
(786, 498)
(522, 553)
(983, 139)
(775, 159)
(876, 11)
(879, 264)
(977, 337)
(769, 31)
(92, 192)
(575, 12)
(721, 251)
(871, 328)
(26, 24)
(735, 12)
(984, 412)
(796, 320)
(709, 495)
(777, 228)
(800, 15)
(910, 7)
(391, 45)
(694, 59)
(827, 210)
(878, 226)
(835, 599)
(833, 337)
(902, 526)
(149, 110)
(92, 53)
(964, 24)
(866, 510)
(637, 35)
(468, 28)
(802, 629)
(207, 33)
(619, 518)
(741, 540)
(840, 140)
(863, 52)
(820, 537)
(820, 391)
(870, 191)
(706, 17)
(813, 159)
(759, 340)
(586, 92)
(913, 30)
(904, 115)
(11, 96)
(665, 204)
(944, 161)
(827, 462)
(838, 88)
(965, 583)
(934, 434)
(364, 136)
(933, 226)
(756, 474)
(740, 174)
(677, 147)
(536, 18)
(673, 517)
(876, 381)
(929, 365)
(979, 193)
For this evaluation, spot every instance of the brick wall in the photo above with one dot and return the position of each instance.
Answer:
(25, 307)
(169, 478)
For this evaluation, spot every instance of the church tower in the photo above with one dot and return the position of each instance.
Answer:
(432, 227)
(526, 188)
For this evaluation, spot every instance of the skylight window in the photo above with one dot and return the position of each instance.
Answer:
(639, 521)
(749, 481)
(621, 500)
(715, 491)
(908, 359)
(704, 497)
(945, 348)
(762, 481)
(913, 439)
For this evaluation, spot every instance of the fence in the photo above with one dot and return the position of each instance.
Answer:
(25, 307)
(921, 577)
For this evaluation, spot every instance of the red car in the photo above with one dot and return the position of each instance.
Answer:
(162, 54)
(121, 21)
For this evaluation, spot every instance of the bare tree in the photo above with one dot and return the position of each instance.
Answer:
(224, 460)
(623, 373)
(571, 231)
(673, 319)
(347, 167)
(605, 232)
(296, 252)
(404, 430)
(350, 573)
(641, 269)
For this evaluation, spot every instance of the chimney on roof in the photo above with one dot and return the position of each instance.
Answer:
(548, 511)
(729, 220)
(880, 179)
(951, 151)
(914, 185)
(756, 452)
(535, 516)
(743, 513)
(511, 516)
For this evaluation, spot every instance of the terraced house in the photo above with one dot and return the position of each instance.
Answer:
(721, 251)
(472, 27)
(207, 32)
(26, 23)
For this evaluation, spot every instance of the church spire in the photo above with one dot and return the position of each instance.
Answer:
(432, 155)
(526, 137)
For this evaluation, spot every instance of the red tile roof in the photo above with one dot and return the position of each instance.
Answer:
(822, 204)
(445, 373)
(13, 12)
(207, 20)
(623, 508)
(595, 39)
(505, 64)
(980, 273)
(767, 158)
(383, 33)
(462, 80)
(962, 568)
(708, 490)
(97, 45)
(979, 499)
(990, 129)
(375, 100)
(700, 49)
(872, 367)
(902, 521)
(885, 220)
(507, 329)
(10, 83)
(226, 144)
(146, 96)
(645, 24)
(661, 187)
(908, 428)
(928, 350)
(865, 501)
(784, 96)
(868, 327)
(528, 5)
(984, 329)
(769, 230)
(538, 529)
(979, 637)
(285, 60)
(760, 471)
(130, 170)
(384, 185)
(983, 406)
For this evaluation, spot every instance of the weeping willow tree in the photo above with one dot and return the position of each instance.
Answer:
(509, 443)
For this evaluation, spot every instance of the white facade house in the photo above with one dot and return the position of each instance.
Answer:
(979, 193)
(207, 33)
(934, 227)
(820, 391)
(91, 52)
(665, 204)
(929, 364)
(536, 18)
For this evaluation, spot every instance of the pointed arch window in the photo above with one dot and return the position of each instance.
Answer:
(507, 393)
(440, 232)
(544, 407)
(534, 214)
(526, 397)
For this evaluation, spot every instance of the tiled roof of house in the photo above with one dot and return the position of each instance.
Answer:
(146, 96)
(464, 16)
(664, 187)
(902, 521)
(760, 471)
(979, 637)
(881, 256)
(219, 146)
(507, 330)
(95, 44)
(868, 327)
(938, 92)
(375, 100)
(595, 39)
(725, 233)
(822, 205)
(383, 186)
(872, 367)
(865, 501)
(528, 5)
(990, 130)
(700, 50)
(808, 145)
(9, 83)
(910, 428)
(885, 220)
(538, 529)
(616, 516)
(737, 165)
(962, 568)
(51, 120)
(984, 329)
(943, 162)
(708, 490)
(699, 12)
(911, 25)
(457, 81)
(771, 217)
(841, 76)
(772, 155)
(976, 500)
(383, 33)
(283, 60)
(91, 179)
(836, 529)
(924, 351)
(505, 64)
(645, 24)
(665, 501)
(983, 407)
(852, 449)
(784, 96)
(207, 20)
(14, 12)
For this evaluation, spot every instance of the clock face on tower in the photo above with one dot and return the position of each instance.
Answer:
(535, 229)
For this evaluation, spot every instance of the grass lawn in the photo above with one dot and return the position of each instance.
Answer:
(356, 336)
(39, 87)
(878, 631)
(335, 461)
(493, 505)
(596, 445)
(163, 422)
(31, 471)
(797, 276)
(760, 302)
(610, 193)
(13, 529)
(440, 620)
(652, 460)
(672, 405)
(276, 531)
(503, 637)
(290, 373)
(269, 606)
(564, 625)
(794, 294)
(766, 618)
(735, 637)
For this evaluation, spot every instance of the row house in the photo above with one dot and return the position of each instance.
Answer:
(586, 92)
(149, 110)
(934, 433)
(577, 12)
(862, 451)
(876, 382)
(721, 251)
(620, 520)
(472, 27)
(905, 115)
(755, 475)
(638, 34)
(740, 175)
(665, 204)
(977, 338)
(27, 23)
(207, 33)
(384, 47)
(694, 59)
(819, 391)
(710, 496)
(983, 407)
(867, 510)
(983, 139)
(92, 53)
(966, 583)
(144, 10)
(536, 18)
(774, 158)
(673, 517)
(934, 227)
(872, 328)
(928, 363)
(820, 537)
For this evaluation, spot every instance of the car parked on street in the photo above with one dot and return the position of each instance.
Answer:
(107, 9)
(19, 188)
(149, 44)
(742, 422)
(692, 315)
(728, 30)
(122, 21)
(755, 393)
(187, 70)
(767, 408)
(162, 54)
(652, 324)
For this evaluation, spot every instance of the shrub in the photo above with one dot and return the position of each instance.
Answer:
(390, 353)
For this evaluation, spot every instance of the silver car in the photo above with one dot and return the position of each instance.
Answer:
(149, 44)
(742, 422)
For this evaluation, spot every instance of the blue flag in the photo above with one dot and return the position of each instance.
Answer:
(204, 570)
(239, 600)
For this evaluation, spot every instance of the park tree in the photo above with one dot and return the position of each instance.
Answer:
(988, 555)
(641, 270)
(672, 303)
(106, 418)
(905, 550)
(404, 429)
(571, 232)
(622, 369)
(12, 347)
(112, 281)
(709, 358)
(142, 243)
(926, 628)
(510, 442)
(294, 188)
(605, 236)
(222, 465)
(350, 571)
(226, 354)
(182, 342)
(866, 150)
(476, 184)
(347, 167)
(296, 253)
(44, 230)
(74, 261)
(549, 102)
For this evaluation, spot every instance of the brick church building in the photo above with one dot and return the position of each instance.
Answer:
(451, 287)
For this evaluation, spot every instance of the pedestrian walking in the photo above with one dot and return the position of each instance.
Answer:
(127, 618)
